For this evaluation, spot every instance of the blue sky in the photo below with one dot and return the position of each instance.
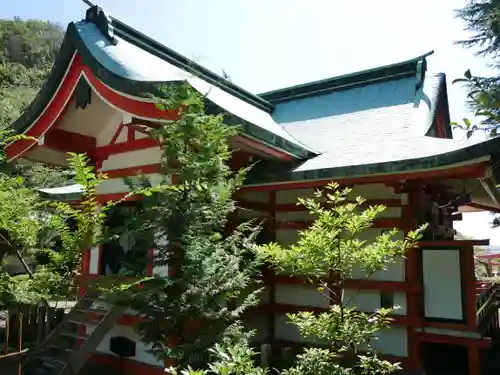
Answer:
(264, 44)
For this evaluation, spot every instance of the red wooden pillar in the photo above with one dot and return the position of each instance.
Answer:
(474, 363)
(172, 340)
(271, 274)
(412, 277)
(469, 285)
(85, 268)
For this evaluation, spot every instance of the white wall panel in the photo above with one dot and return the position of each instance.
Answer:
(442, 284)
(303, 295)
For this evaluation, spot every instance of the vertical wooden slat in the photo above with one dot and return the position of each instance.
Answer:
(20, 340)
(40, 335)
(7, 332)
(48, 321)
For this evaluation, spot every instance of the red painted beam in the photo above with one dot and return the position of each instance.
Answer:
(294, 207)
(365, 284)
(489, 256)
(284, 308)
(483, 207)
(455, 340)
(377, 223)
(51, 113)
(134, 171)
(126, 365)
(259, 146)
(103, 152)
(65, 141)
(467, 171)
(454, 243)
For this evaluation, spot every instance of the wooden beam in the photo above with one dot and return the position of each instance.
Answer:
(483, 207)
(466, 171)
(454, 243)
(65, 141)
(387, 223)
(103, 152)
(363, 284)
(294, 207)
(455, 340)
(261, 147)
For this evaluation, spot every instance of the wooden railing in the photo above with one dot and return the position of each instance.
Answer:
(28, 325)
(485, 300)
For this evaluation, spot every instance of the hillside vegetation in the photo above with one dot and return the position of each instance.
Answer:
(27, 51)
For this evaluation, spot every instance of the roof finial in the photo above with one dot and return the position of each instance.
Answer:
(98, 17)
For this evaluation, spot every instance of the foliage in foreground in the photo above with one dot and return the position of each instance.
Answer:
(482, 20)
(27, 51)
(211, 267)
(331, 249)
(31, 227)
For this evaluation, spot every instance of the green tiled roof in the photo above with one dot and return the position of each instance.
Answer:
(68, 193)
(135, 64)
(374, 121)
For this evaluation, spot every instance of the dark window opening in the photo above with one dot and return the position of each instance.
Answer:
(386, 300)
(444, 358)
(125, 252)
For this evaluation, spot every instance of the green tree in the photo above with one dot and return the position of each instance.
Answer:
(211, 266)
(27, 51)
(25, 219)
(331, 249)
(482, 20)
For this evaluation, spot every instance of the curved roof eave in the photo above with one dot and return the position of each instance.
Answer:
(274, 173)
(73, 42)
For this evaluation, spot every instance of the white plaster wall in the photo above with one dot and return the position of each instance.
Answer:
(293, 216)
(389, 341)
(400, 301)
(122, 137)
(139, 135)
(395, 271)
(391, 213)
(292, 196)
(362, 300)
(287, 236)
(95, 255)
(284, 330)
(392, 341)
(264, 295)
(118, 185)
(248, 214)
(373, 191)
(369, 300)
(256, 196)
(141, 354)
(442, 284)
(302, 295)
(136, 158)
(105, 135)
(259, 323)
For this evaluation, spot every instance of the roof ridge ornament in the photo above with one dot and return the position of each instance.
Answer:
(419, 85)
(103, 21)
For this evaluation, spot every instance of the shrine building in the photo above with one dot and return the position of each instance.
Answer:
(385, 132)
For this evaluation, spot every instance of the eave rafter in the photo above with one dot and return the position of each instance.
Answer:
(143, 113)
(66, 141)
